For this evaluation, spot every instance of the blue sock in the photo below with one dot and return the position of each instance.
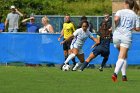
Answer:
(84, 66)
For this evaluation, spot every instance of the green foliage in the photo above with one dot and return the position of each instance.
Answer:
(58, 7)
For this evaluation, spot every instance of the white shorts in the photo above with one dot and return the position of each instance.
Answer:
(121, 40)
(78, 47)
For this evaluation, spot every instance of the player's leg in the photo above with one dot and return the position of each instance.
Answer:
(116, 41)
(126, 42)
(120, 64)
(96, 51)
(81, 58)
(120, 61)
(123, 70)
(73, 60)
(72, 55)
(91, 56)
(105, 59)
(105, 53)
(69, 51)
(66, 56)
(65, 49)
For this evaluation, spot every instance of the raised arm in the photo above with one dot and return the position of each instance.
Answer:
(25, 20)
(19, 12)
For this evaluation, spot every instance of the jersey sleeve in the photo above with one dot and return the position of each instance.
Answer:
(118, 13)
(76, 32)
(137, 22)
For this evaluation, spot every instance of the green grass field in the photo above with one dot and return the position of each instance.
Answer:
(21, 79)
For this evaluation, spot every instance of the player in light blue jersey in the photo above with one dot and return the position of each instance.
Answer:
(79, 38)
(126, 21)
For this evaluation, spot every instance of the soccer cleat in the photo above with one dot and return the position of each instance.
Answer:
(80, 70)
(72, 67)
(61, 66)
(100, 69)
(114, 78)
(73, 70)
(124, 78)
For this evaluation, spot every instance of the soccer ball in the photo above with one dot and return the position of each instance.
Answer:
(66, 67)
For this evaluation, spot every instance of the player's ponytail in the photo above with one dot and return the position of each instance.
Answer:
(133, 4)
(136, 7)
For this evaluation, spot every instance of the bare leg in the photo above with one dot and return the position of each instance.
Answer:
(81, 58)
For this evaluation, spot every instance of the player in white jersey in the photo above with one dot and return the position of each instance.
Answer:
(79, 38)
(126, 21)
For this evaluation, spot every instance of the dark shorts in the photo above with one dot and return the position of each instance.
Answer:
(100, 50)
(66, 45)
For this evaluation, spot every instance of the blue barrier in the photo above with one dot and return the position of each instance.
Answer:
(44, 48)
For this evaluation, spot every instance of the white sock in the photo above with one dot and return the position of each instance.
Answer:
(71, 56)
(124, 66)
(119, 64)
(77, 65)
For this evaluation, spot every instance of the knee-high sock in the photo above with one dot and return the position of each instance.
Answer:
(123, 69)
(104, 62)
(119, 64)
(77, 65)
(84, 66)
(71, 56)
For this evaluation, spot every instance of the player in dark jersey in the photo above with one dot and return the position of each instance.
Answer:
(103, 48)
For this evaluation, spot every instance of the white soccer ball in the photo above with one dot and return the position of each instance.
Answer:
(66, 67)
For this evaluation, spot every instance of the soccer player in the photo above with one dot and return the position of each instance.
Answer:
(126, 21)
(79, 38)
(67, 31)
(103, 48)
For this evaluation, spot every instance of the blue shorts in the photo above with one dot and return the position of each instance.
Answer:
(100, 50)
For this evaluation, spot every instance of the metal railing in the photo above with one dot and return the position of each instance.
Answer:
(57, 21)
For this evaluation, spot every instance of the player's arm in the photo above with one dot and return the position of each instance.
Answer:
(96, 40)
(137, 29)
(71, 37)
(116, 20)
(61, 35)
(68, 39)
